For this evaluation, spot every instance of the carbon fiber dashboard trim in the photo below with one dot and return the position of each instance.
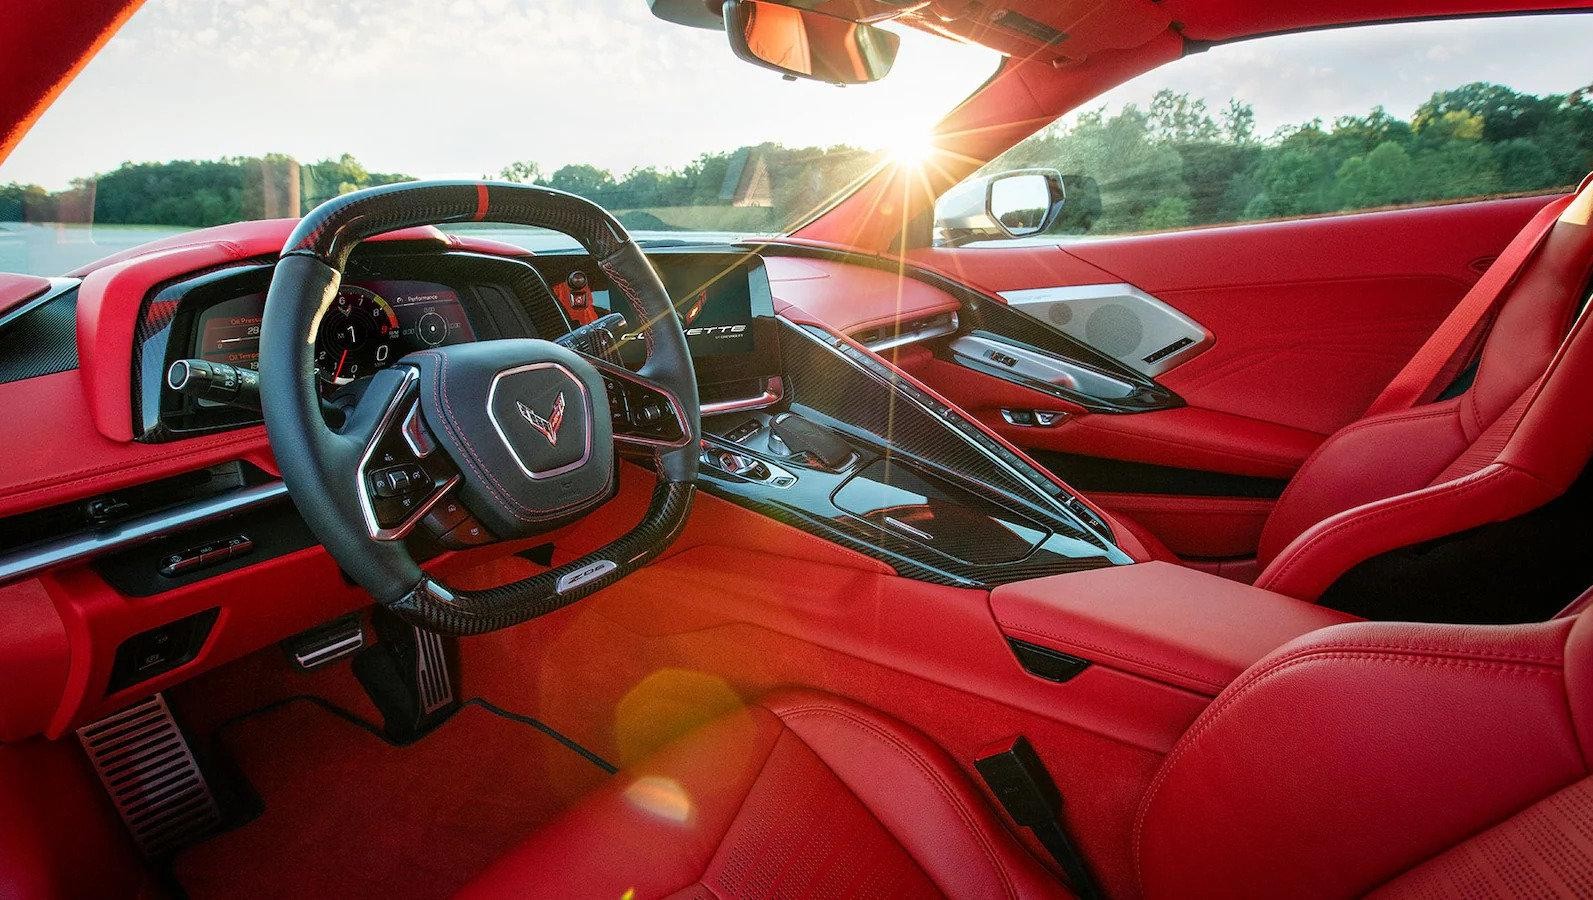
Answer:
(883, 416)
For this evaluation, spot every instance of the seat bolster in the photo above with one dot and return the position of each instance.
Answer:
(927, 803)
(653, 828)
(1364, 462)
(1310, 564)
(1402, 741)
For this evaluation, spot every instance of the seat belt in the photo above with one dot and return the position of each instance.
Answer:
(1019, 780)
(1420, 379)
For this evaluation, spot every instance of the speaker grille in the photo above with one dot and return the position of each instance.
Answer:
(1114, 330)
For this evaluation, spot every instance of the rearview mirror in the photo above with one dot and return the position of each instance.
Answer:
(1015, 204)
(801, 43)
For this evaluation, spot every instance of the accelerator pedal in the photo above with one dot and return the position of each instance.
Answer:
(146, 766)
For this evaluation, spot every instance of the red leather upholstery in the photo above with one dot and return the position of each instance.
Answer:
(803, 794)
(1517, 438)
(1357, 753)
(1158, 621)
(1527, 855)
(1422, 760)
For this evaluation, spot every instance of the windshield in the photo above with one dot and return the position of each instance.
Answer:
(205, 112)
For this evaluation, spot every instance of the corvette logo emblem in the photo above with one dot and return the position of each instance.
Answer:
(548, 427)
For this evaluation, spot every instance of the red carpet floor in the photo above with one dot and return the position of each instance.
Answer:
(348, 815)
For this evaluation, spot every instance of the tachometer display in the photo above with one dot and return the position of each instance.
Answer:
(358, 335)
(370, 325)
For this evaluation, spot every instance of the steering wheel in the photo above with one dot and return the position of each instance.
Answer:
(513, 437)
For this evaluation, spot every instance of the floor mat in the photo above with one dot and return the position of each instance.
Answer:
(348, 815)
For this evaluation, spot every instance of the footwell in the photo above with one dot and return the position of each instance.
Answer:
(345, 813)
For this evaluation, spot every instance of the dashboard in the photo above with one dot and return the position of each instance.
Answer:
(167, 509)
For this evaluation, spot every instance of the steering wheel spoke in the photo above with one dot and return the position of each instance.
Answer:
(402, 473)
(645, 413)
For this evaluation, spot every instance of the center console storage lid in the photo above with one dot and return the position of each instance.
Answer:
(1157, 620)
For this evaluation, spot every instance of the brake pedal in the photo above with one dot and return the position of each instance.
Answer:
(149, 771)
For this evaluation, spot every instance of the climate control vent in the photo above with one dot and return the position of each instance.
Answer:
(907, 331)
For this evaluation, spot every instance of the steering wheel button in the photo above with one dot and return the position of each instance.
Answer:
(445, 515)
(469, 533)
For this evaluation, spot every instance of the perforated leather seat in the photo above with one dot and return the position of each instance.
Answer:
(802, 794)
(1411, 760)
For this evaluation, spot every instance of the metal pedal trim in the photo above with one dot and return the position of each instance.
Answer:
(435, 687)
(148, 770)
(330, 645)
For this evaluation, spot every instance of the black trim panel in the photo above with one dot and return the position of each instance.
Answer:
(1115, 476)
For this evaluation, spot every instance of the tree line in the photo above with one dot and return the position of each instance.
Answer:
(1172, 163)
(1177, 163)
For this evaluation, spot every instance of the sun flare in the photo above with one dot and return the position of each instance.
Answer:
(911, 149)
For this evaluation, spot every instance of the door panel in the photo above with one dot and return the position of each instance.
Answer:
(1308, 319)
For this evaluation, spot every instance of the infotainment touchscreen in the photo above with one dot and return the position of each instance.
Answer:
(720, 298)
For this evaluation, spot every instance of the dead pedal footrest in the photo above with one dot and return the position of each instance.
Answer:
(146, 766)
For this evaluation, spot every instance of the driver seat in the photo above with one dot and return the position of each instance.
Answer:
(1409, 760)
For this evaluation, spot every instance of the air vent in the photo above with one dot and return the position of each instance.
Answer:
(908, 331)
(431, 672)
(152, 778)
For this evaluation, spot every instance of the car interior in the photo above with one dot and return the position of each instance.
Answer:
(915, 551)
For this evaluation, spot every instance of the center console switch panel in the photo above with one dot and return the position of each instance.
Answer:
(1157, 621)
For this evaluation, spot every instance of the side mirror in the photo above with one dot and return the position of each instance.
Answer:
(801, 43)
(1015, 204)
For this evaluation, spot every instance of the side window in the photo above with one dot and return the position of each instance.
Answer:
(1323, 123)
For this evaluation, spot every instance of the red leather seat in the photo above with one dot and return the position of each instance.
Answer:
(802, 794)
(1411, 760)
(1514, 440)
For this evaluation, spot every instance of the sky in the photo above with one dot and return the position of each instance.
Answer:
(462, 88)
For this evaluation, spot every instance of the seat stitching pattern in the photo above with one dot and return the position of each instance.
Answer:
(923, 766)
(1412, 415)
(1373, 653)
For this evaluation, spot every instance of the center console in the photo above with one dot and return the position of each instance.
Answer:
(853, 452)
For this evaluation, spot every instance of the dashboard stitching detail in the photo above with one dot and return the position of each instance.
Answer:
(499, 490)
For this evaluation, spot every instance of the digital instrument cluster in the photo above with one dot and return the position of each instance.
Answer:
(369, 325)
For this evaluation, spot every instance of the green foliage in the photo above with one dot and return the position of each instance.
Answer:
(1176, 164)
(194, 193)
